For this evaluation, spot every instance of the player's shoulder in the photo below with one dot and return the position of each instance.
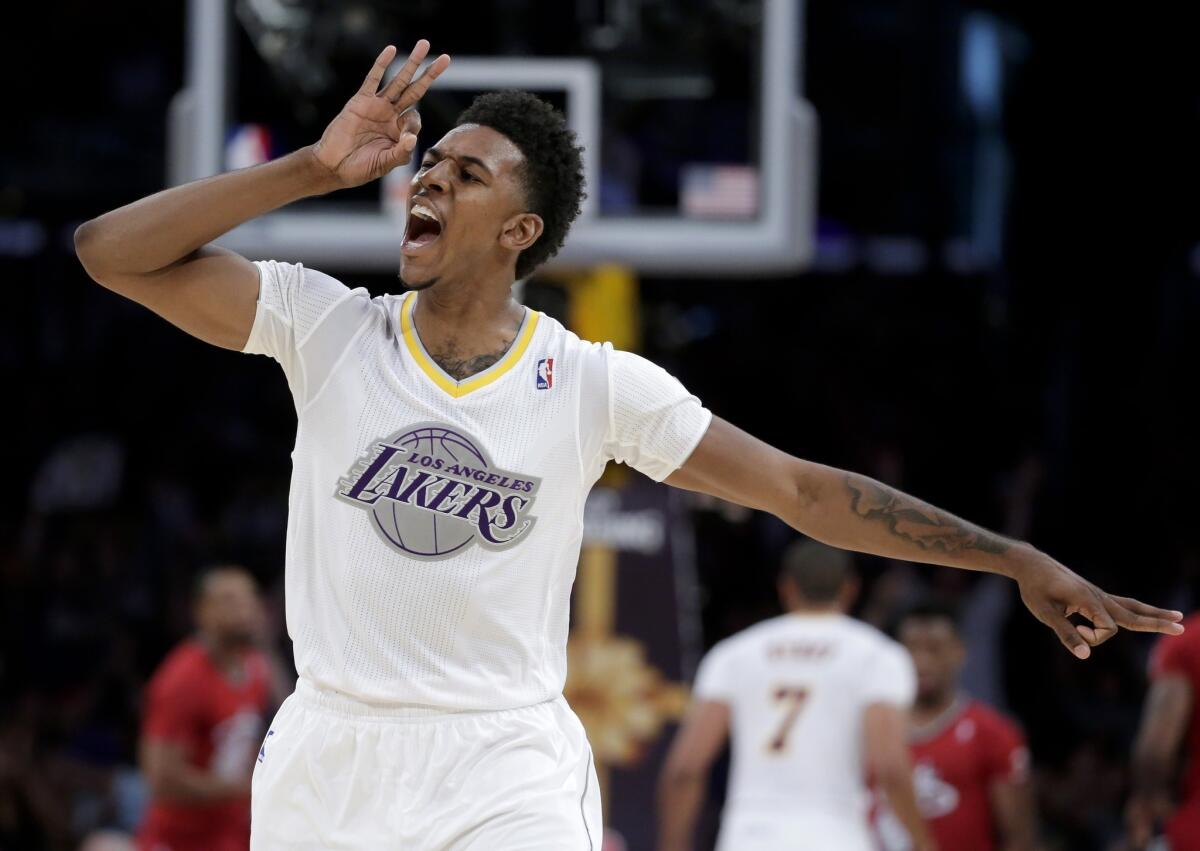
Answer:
(844, 630)
(305, 280)
(314, 299)
(184, 667)
(577, 359)
(567, 343)
(759, 633)
(743, 643)
(866, 639)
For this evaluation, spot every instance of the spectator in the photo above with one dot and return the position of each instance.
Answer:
(204, 718)
(971, 765)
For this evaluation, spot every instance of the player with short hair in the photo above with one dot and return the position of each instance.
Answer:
(447, 438)
(971, 763)
(1170, 728)
(815, 703)
(203, 719)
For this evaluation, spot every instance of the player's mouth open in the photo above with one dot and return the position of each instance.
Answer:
(424, 227)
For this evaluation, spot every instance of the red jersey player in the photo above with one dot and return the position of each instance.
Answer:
(1170, 723)
(203, 723)
(970, 763)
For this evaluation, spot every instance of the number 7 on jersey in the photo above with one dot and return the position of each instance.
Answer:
(791, 699)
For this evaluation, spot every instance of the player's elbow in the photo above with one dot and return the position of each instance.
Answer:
(100, 253)
(89, 248)
(806, 487)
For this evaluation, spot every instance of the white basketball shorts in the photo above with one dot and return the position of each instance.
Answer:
(334, 773)
(811, 831)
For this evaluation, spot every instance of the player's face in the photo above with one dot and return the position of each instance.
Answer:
(463, 202)
(229, 610)
(937, 654)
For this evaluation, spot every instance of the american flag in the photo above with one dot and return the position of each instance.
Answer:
(719, 191)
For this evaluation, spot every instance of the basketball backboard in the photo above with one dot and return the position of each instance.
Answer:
(700, 156)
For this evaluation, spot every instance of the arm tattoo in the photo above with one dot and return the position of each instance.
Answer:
(916, 521)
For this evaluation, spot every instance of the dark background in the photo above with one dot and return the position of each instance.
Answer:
(1043, 386)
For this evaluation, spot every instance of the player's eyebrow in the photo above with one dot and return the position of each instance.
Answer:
(439, 155)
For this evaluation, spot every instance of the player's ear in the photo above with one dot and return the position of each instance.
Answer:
(521, 231)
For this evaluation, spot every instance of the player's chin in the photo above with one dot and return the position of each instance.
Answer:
(417, 273)
(243, 637)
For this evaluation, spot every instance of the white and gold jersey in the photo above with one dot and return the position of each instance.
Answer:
(796, 686)
(434, 525)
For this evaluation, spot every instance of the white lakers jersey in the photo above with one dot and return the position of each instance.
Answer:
(434, 525)
(797, 686)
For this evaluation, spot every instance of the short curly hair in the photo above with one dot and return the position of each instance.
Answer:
(553, 171)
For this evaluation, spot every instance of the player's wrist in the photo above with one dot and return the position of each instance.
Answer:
(318, 177)
(233, 787)
(1023, 562)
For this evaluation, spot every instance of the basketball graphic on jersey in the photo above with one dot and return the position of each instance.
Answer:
(433, 491)
(935, 797)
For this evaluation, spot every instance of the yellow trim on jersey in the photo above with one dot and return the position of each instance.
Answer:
(437, 375)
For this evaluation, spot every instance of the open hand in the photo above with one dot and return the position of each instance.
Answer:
(1053, 592)
(376, 131)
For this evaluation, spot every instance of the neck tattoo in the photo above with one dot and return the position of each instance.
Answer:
(459, 366)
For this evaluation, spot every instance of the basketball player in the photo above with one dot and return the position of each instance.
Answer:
(1170, 725)
(204, 718)
(447, 438)
(971, 763)
(815, 703)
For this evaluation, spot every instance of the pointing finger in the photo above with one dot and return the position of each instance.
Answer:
(1138, 607)
(1139, 617)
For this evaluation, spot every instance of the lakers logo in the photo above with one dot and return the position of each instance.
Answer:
(433, 492)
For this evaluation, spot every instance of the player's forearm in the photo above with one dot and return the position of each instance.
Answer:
(1162, 731)
(897, 786)
(679, 800)
(188, 785)
(1019, 833)
(1015, 813)
(1152, 772)
(855, 512)
(1026, 844)
(160, 229)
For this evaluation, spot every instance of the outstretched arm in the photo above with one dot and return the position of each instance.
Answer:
(155, 251)
(855, 512)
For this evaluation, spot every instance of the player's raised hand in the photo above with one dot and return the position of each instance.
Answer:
(376, 131)
(1053, 593)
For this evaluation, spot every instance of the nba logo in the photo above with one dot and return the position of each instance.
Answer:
(545, 374)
